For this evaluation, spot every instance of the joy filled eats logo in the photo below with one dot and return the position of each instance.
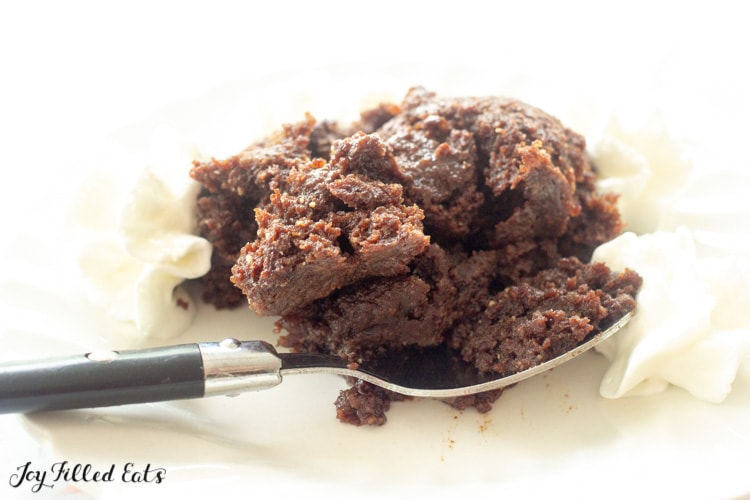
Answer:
(37, 479)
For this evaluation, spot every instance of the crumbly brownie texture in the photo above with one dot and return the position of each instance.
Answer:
(465, 221)
(231, 190)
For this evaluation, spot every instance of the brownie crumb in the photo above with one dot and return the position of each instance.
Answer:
(364, 404)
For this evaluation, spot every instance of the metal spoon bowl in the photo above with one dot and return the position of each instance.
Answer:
(229, 367)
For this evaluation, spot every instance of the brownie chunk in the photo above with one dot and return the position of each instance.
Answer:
(465, 221)
(362, 320)
(334, 224)
(543, 316)
(231, 190)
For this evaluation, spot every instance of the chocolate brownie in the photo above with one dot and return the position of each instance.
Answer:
(461, 221)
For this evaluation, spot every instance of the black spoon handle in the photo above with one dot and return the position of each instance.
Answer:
(110, 378)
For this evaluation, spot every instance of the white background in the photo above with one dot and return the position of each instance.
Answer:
(73, 71)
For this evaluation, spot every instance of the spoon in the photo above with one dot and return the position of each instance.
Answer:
(229, 367)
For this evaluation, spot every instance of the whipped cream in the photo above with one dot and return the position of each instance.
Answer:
(691, 329)
(139, 244)
(644, 165)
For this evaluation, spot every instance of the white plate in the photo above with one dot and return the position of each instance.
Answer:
(553, 435)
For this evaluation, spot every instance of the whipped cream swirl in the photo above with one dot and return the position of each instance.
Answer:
(139, 244)
(686, 223)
